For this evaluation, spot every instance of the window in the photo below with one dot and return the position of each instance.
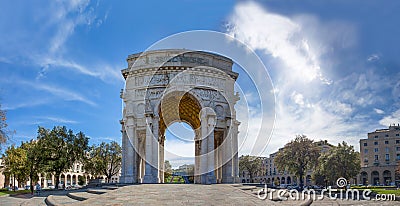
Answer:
(397, 148)
(386, 135)
(365, 151)
(386, 142)
(397, 135)
(376, 150)
(398, 157)
(376, 157)
(397, 141)
(387, 157)
(375, 143)
(365, 144)
(387, 149)
(366, 160)
(376, 136)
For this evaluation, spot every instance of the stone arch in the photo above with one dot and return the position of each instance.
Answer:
(197, 88)
(364, 178)
(283, 180)
(73, 182)
(189, 110)
(288, 180)
(68, 182)
(375, 178)
(387, 177)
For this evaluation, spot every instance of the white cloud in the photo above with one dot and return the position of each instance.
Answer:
(379, 111)
(104, 71)
(307, 102)
(59, 120)
(32, 103)
(373, 57)
(297, 98)
(394, 118)
(279, 36)
(60, 92)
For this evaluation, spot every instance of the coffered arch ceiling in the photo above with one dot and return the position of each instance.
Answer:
(179, 107)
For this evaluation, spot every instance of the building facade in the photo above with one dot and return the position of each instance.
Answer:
(380, 154)
(276, 177)
(76, 175)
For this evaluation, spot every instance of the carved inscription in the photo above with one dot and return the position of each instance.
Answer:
(179, 79)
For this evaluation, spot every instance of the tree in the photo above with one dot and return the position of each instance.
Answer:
(250, 164)
(104, 159)
(61, 148)
(298, 156)
(14, 163)
(3, 125)
(167, 170)
(34, 161)
(341, 161)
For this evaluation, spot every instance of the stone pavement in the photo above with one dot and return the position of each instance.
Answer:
(170, 194)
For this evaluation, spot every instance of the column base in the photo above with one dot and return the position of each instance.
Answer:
(229, 179)
(128, 179)
(148, 179)
(210, 179)
(236, 179)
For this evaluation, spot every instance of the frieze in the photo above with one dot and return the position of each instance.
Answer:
(179, 79)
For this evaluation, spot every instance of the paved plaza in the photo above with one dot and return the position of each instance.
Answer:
(167, 194)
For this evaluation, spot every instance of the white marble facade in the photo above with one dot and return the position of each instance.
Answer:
(167, 86)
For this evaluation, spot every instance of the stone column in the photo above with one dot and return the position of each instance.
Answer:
(393, 176)
(211, 179)
(161, 159)
(52, 180)
(155, 150)
(124, 154)
(228, 155)
(235, 157)
(130, 170)
(203, 166)
(197, 159)
(148, 176)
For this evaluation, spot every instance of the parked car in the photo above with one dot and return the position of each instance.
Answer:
(27, 187)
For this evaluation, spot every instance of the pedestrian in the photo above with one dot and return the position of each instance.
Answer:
(38, 188)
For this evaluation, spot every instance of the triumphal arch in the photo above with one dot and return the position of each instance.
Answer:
(167, 86)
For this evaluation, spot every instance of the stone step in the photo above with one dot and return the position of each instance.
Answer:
(54, 200)
(248, 187)
(97, 191)
(81, 196)
(109, 187)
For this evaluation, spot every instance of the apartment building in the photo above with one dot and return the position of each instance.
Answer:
(380, 154)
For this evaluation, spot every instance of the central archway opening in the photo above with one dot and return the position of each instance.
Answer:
(179, 127)
(179, 153)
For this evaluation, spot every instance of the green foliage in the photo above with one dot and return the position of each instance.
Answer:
(15, 160)
(250, 164)
(104, 159)
(298, 156)
(341, 161)
(60, 149)
(3, 125)
(34, 161)
(167, 170)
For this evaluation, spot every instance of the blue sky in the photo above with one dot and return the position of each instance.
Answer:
(334, 65)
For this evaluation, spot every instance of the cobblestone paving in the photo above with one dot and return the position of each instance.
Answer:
(175, 194)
